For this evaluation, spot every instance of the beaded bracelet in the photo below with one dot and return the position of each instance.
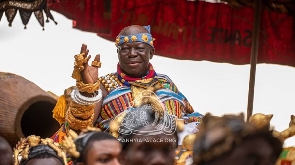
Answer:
(83, 100)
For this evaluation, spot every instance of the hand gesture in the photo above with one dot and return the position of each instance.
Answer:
(89, 73)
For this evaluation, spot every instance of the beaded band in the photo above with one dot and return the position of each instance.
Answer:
(83, 100)
(139, 37)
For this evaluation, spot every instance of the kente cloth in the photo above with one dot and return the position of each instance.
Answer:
(287, 156)
(120, 99)
(61, 133)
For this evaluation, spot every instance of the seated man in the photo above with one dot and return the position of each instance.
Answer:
(98, 100)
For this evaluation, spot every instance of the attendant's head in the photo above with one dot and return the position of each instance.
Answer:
(36, 151)
(95, 148)
(230, 140)
(147, 140)
(5, 152)
(135, 49)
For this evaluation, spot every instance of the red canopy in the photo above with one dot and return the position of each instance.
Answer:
(190, 30)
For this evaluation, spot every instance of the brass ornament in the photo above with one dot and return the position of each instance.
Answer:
(89, 88)
(78, 123)
(81, 111)
(96, 64)
(80, 60)
(23, 146)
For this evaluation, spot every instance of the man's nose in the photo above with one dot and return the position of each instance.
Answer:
(158, 159)
(133, 52)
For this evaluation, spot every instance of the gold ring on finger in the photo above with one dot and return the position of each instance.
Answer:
(96, 64)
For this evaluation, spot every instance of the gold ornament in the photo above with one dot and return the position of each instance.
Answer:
(126, 39)
(69, 145)
(145, 38)
(261, 121)
(33, 140)
(96, 64)
(117, 41)
(89, 88)
(133, 38)
(110, 82)
(180, 124)
(24, 145)
(81, 111)
(80, 60)
(77, 123)
(115, 124)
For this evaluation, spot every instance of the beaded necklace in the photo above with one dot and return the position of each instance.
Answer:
(125, 79)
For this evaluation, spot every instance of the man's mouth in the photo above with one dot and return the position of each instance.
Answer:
(133, 64)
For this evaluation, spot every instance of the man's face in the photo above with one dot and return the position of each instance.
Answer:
(104, 152)
(134, 58)
(160, 149)
(44, 161)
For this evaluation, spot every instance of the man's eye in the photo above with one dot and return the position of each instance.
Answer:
(140, 49)
(124, 49)
(104, 160)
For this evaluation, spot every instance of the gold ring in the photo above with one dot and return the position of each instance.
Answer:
(96, 64)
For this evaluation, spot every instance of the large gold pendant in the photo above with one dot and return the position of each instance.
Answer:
(143, 92)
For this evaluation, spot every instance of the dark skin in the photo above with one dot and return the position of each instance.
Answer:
(104, 152)
(255, 151)
(44, 161)
(133, 59)
(5, 152)
(159, 150)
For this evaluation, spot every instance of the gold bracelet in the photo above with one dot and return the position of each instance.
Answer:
(81, 111)
(78, 124)
(89, 88)
(82, 108)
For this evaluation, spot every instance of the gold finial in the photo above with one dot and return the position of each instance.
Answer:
(33, 140)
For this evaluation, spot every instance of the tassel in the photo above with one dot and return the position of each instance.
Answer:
(59, 110)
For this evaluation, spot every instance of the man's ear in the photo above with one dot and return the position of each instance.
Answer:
(152, 52)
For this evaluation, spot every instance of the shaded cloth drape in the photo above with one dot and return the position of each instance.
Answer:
(190, 30)
(26, 8)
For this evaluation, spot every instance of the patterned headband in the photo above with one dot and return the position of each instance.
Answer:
(139, 37)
